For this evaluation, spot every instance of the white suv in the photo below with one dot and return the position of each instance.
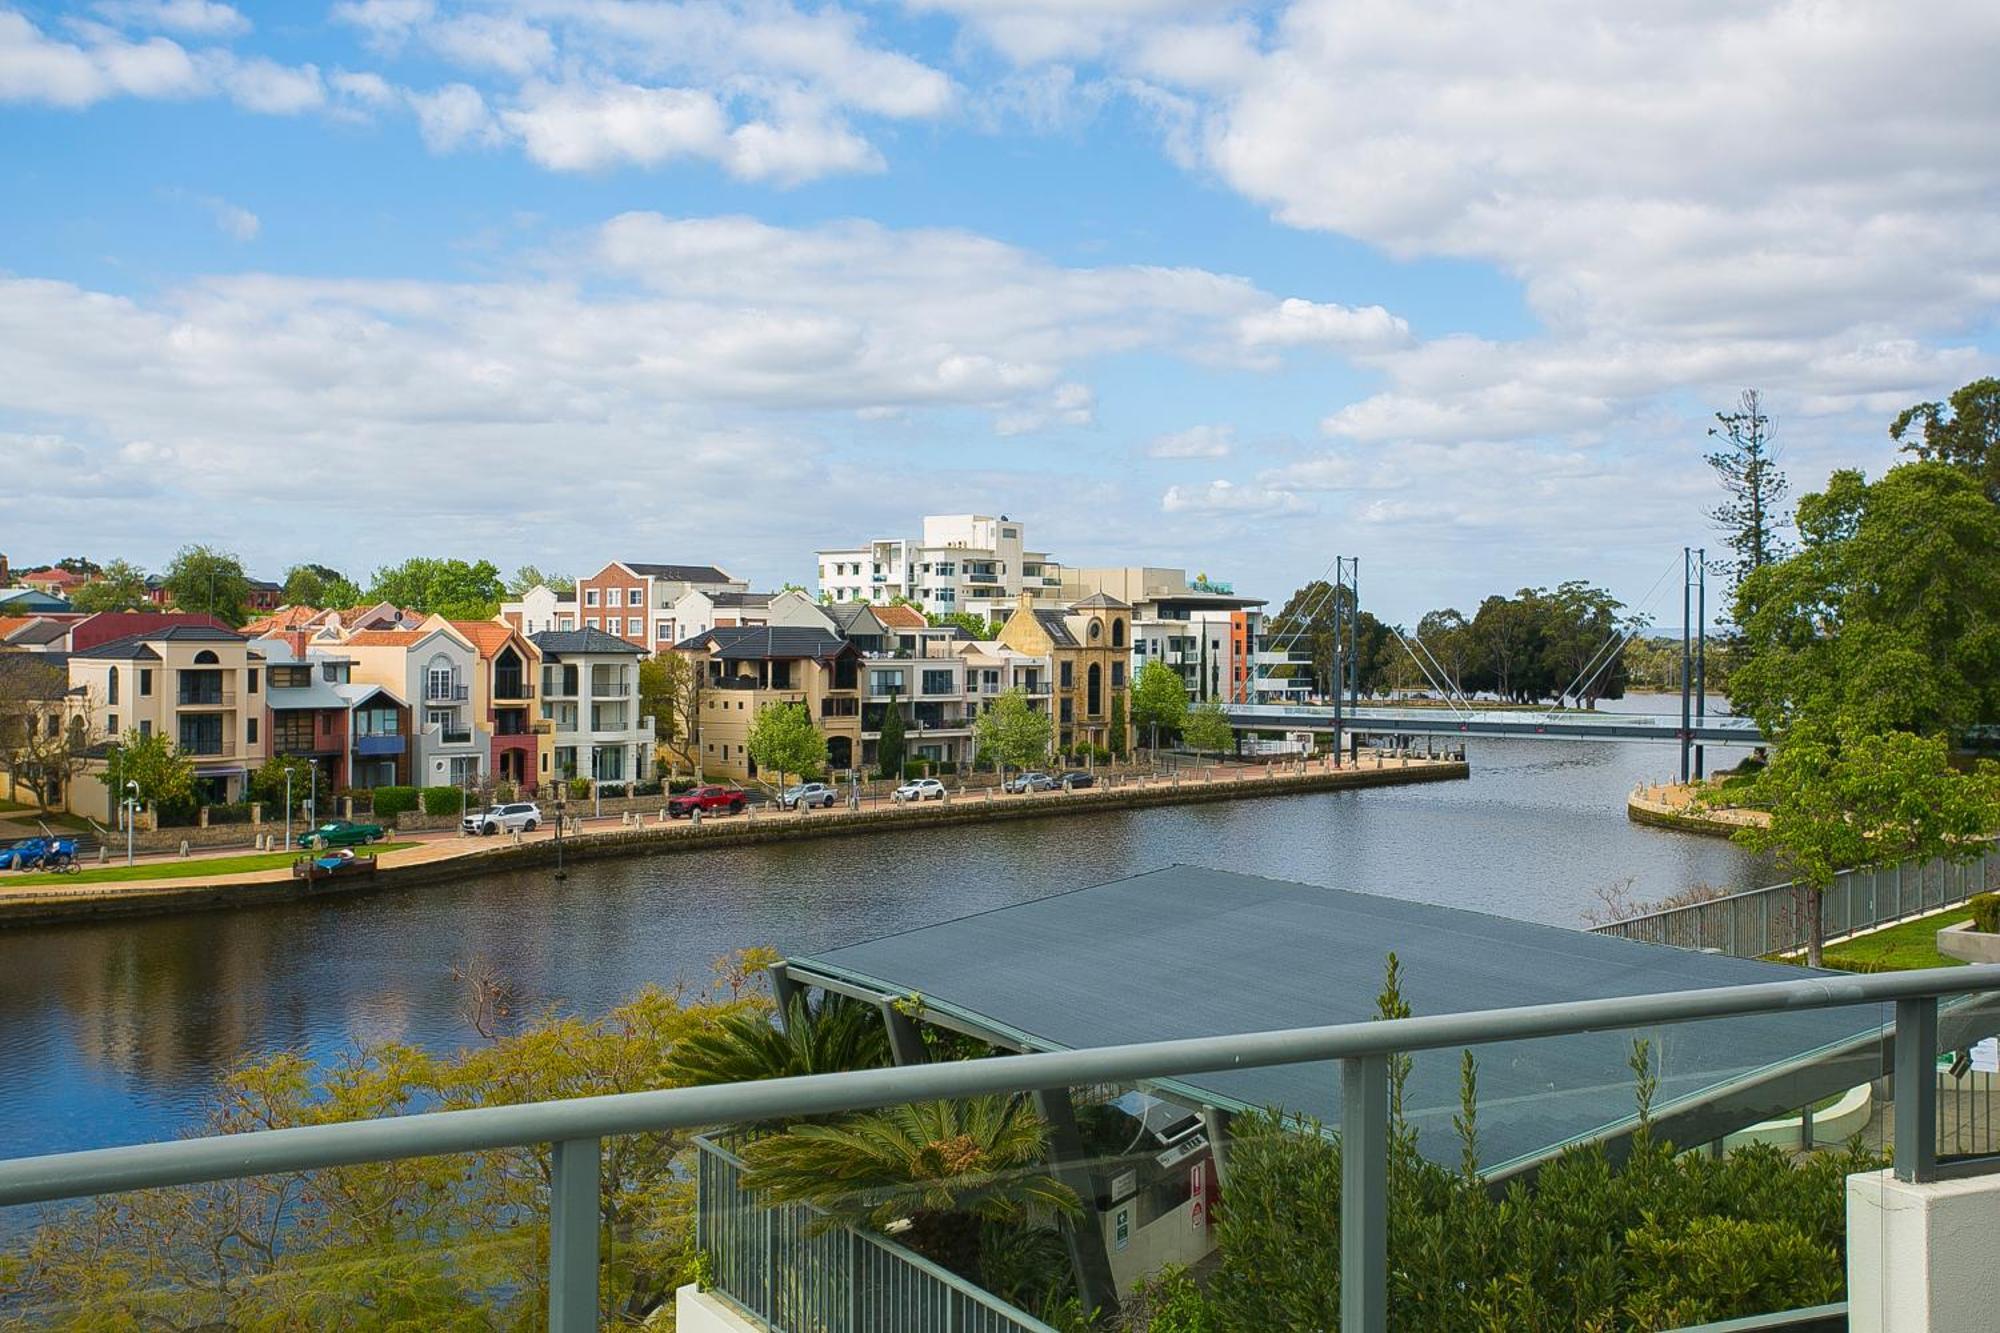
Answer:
(923, 789)
(518, 816)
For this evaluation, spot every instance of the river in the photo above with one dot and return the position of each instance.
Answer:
(116, 1032)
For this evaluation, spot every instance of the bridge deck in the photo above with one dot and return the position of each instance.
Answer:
(1493, 722)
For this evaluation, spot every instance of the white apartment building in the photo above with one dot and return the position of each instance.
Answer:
(1202, 629)
(541, 608)
(590, 692)
(962, 562)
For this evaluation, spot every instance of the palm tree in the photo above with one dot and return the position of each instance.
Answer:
(839, 1035)
(944, 1167)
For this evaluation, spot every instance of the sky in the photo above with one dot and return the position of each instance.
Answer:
(1453, 287)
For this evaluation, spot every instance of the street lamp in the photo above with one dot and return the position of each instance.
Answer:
(288, 807)
(131, 815)
(562, 813)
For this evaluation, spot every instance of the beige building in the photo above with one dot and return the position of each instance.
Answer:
(1089, 649)
(745, 668)
(200, 687)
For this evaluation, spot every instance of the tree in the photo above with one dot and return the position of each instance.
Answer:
(1115, 739)
(319, 586)
(1159, 700)
(889, 746)
(783, 740)
(1448, 637)
(1887, 618)
(528, 577)
(1746, 465)
(946, 1167)
(677, 706)
(658, 680)
(121, 587)
(979, 627)
(268, 785)
(450, 588)
(165, 775)
(204, 579)
(836, 1035)
(1013, 733)
(1967, 439)
(1208, 730)
(78, 564)
(43, 741)
(1580, 625)
(1842, 802)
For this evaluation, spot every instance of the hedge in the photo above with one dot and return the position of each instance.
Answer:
(237, 812)
(393, 801)
(443, 801)
(1986, 913)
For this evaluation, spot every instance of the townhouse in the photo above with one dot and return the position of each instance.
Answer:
(631, 599)
(923, 677)
(962, 562)
(201, 687)
(698, 610)
(1088, 644)
(428, 671)
(354, 734)
(504, 694)
(747, 667)
(590, 696)
(541, 608)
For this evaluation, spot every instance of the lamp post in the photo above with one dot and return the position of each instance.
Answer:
(131, 816)
(562, 813)
(288, 807)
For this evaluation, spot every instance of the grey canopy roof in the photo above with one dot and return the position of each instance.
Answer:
(756, 643)
(677, 573)
(1188, 951)
(557, 642)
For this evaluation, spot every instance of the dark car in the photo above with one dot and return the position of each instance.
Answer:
(1076, 777)
(1031, 782)
(708, 800)
(342, 833)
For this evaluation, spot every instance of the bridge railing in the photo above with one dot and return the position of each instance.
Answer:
(1775, 919)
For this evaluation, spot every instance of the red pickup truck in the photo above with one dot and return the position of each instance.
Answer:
(708, 800)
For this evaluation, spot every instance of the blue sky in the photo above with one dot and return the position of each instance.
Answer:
(1228, 286)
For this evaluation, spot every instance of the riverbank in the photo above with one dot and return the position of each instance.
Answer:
(1671, 805)
(459, 858)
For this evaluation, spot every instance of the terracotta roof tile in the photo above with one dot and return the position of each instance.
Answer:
(488, 636)
(898, 616)
(383, 638)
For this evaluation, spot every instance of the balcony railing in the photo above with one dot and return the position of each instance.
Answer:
(574, 1130)
(513, 687)
(369, 747)
(202, 748)
(459, 736)
(207, 698)
(444, 692)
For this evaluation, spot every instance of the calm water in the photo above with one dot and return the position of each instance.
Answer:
(115, 1033)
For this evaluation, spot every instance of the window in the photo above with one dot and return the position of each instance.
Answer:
(635, 596)
(145, 728)
(663, 631)
(1118, 633)
(634, 626)
(945, 567)
(250, 730)
(1093, 704)
(111, 691)
(946, 595)
(565, 622)
(590, 598)
(1010, 532)
(886, 682)
(937, 682)
(1096, 630)
(145, 681)
(111, 725)
(1117, 675)
(1068, 711)
(1066, 673)
(614, 596)
(590, 622)
(253, 680)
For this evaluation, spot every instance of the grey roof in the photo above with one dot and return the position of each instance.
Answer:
(1102, 601)
(741, 598)
(45, 673)
(133, 646)
(352, 693)
(678, 573)
(757, 643)
(1057, 627)
(846, 615)
(39, 632)
(1188, 951)
(319, 694)
(556, 642)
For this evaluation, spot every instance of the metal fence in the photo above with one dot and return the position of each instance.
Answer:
(795, 1270)
(575, 1129)
(1775, 919)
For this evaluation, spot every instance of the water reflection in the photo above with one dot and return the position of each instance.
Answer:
(113, 1032)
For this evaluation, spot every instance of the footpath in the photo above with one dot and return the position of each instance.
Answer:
(1671, 805)
(445, 857)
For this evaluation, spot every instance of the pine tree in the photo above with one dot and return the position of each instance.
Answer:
(889, 748)
(1747, 468)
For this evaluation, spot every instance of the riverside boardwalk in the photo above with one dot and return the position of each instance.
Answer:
(451, 857)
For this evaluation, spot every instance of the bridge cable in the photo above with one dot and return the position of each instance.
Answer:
(1439, 685)
(1611, 648)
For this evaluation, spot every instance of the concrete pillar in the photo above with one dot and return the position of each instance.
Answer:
(1085, 1235)
(256, 813)
(1920, 1256)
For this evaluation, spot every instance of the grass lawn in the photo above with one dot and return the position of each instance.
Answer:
(190, 869)
(1912, 944)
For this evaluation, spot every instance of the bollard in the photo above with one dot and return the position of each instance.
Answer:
(517, 837)
(694, 816)
(103, 856)
(663, 814)
(184, 848)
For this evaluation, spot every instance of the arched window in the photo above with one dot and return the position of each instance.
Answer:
(111, 688)
(1094, 691)
(206, 658)
(1118, 633)
(1096, 629)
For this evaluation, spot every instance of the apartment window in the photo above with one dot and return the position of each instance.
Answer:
(1010, 532)
(663, 632)
(1067, 674)
(635, 626)
(438, 717)
(565, 622)
(590, 622)
(883, 682)
(1068, 711)
(253, 680)
(111, 691)
(945, 567)
(111, 725)
(440, 682)
(590, 597)
(145, 681)
(250, 730)
(937, 682)
(145, 728)
(946, 595)
(614, 596)
(635, 596)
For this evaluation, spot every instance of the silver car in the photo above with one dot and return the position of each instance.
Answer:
(515, 816)
(808, 794)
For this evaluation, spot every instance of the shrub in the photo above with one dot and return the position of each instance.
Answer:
(444, 801)
(579, 789)
(232, 812)
(393, 801)
(610, 790)
(504, 793)
(945, 767)
(646, 788)
(916, 768)
(1986, 913)
(679, 785)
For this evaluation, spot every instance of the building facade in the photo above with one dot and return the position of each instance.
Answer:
(631, 599)
(541, 609)
(505, 691)
(745, 668)
(432, 668)
(1200, 628)
(1088, 646)
(962, 562)
(590, 698)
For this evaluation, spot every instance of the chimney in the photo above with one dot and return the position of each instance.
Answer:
(6, 574)
(297, 638)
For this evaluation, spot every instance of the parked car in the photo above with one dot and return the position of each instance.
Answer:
(1076, 777)
(1031, 782)
(807, 794)
(708, 800)
(343, 833)
(514, 817)
(922, 789)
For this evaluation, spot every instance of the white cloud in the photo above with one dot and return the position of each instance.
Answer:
(204, 18)
(1225, 498)
(236, 222)
(794, 152)
(386, 22)
(38, 68)
(1294, 322)
(268, 87)
(1194, 442)
(577, 128)
(1033, 31)
(452, 117)
(489, 41)
(362, 88)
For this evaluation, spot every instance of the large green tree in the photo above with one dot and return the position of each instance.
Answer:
(268, 784)
(1581, 635)
(1159, 701)
(889, 746)
(165, 775)
(1964, 434)
(121, 587)
(1840, 802)
(1888, 617)
(1207, 730)
(1308, 622)
(203, 579)
(783, 740)
(455, 589)
(319, 586)
(529, 577)
(1754, 489)
(1013, 733)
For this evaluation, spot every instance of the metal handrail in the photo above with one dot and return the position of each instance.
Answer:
(575, 1128)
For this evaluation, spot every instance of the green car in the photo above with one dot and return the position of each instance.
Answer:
(342, 833)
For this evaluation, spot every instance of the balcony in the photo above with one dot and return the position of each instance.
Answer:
(613, 689)
(375, 747)
(208, 747)
(445, 692)
(206, 698)
(512, 687)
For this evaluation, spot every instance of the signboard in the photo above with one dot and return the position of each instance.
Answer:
(1198, 1195)
(1124, 1185)
(1986, 1056)
(1124, 1227)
